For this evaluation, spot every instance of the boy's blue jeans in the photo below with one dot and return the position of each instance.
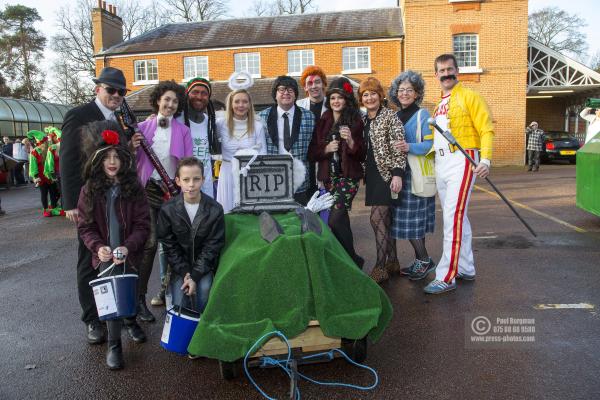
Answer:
(202, 292)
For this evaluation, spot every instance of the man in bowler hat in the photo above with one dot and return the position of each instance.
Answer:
(110, 90)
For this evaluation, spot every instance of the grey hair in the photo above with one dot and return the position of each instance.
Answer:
(415, 79)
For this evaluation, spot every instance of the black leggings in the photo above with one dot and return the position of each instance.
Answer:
(52, 189)
(339, 222)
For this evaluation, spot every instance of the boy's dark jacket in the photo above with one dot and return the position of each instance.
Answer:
(192, 246)
(134, 217)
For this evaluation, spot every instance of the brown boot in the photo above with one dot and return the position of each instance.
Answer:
(379, 274)
(392, 267)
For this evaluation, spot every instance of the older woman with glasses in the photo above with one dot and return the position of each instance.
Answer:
(384, 168)
(413, 216)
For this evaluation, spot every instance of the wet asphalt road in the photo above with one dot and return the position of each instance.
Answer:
(425, 353)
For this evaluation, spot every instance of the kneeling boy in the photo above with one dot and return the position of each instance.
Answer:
(191, 228)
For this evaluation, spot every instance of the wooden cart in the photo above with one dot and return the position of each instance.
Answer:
(311, 341)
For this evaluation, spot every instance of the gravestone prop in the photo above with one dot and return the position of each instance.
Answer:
(267, 186)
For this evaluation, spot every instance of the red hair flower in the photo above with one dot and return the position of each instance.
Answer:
(348, 88)
(110, 137)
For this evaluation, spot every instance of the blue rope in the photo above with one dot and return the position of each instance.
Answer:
(284, 365)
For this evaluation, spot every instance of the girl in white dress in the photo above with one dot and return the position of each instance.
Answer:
(240, 129)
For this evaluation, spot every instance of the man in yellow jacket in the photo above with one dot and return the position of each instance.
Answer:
(466, 115)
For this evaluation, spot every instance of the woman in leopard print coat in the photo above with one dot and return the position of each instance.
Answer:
(384, 168)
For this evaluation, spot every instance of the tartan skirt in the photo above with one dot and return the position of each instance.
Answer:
(412, 216)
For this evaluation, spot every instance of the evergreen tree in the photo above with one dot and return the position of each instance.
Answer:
(21, 48)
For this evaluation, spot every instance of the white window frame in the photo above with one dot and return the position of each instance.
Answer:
(470, 68)
(356, 69)
(195, 60)
(301, 54)
(244, 61)
(146, 72)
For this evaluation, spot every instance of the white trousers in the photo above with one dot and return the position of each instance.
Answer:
(454, 180)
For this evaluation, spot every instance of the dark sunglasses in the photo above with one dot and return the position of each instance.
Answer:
(112, 91)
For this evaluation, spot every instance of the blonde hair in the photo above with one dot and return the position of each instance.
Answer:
(229, 111)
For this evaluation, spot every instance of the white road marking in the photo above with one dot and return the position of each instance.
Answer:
(585, 306)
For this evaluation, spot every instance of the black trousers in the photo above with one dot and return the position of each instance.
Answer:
(86, 274)
(145, 268)
(51, 189)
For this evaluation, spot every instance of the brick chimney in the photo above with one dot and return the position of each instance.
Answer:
(107, 27)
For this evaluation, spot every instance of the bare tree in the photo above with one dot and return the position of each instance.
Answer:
(595, 61)
(263, 8)
(295, 6)
(195, 10)
(138, 19)
(207, 10)
(74, 42)
(69, 86)
(559, 30)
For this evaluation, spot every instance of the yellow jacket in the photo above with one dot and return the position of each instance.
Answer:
(470, 120)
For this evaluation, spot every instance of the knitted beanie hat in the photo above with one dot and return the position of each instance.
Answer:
(286, 81)
(198, 81)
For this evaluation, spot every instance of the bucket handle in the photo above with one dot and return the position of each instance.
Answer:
(110, 268)
(180, 305)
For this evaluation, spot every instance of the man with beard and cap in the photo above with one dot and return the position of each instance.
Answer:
(466, 115)
(199, 115)
(110, 90)
(290, 129)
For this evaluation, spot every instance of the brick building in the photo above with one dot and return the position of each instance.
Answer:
(489, 37)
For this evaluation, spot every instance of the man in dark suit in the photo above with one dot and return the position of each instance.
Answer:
(290, 129)
(110, 90)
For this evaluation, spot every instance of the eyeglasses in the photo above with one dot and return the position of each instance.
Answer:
(112, 91)
(283, 89)
(407, 91)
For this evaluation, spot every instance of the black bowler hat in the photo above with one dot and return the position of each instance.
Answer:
(112, 77)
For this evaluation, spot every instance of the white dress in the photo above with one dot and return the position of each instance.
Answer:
(230, 144)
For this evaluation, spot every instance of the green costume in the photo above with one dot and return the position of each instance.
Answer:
(43, 164)
(261, 287)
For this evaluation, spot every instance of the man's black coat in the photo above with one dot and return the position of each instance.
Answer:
(71, 166)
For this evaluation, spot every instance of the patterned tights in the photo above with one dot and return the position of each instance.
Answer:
(381, 221)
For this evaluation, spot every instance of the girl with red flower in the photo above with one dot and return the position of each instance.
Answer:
(114, 217)
(339, 149)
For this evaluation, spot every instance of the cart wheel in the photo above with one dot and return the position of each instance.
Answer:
(355, 349)
(229, 370)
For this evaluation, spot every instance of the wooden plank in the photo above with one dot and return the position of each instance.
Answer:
(312, 339)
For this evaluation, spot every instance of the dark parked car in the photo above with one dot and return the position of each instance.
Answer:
(560, 146)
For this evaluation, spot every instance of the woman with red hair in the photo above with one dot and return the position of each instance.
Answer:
(384, 168)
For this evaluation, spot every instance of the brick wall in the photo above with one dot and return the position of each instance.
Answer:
(502, 29)
(385, 61)
(548, 113)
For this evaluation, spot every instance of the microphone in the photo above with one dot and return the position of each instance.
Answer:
(336, 156)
